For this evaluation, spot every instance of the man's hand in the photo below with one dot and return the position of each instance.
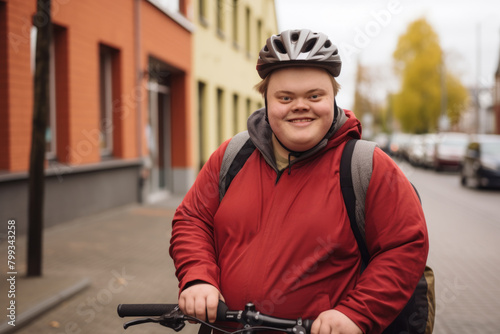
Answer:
(334, 322)
(200, 300)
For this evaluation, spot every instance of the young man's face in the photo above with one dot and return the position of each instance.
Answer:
(300, 104)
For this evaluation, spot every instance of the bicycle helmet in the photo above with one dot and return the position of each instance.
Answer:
(299, 47)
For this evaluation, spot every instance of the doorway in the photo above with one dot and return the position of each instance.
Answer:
(159, 141)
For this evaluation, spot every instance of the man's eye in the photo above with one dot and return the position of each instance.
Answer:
(315, 96)
(285, 98)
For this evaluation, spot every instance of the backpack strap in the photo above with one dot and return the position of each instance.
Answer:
(237, 152)
(356, 167)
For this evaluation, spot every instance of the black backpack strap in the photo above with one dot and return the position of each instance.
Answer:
(238, 150)
(349, 196)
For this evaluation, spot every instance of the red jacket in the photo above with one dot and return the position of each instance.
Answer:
(283, 240)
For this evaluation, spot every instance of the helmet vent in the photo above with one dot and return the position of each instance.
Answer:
(298, 47)
(279, 45)
(309, 45)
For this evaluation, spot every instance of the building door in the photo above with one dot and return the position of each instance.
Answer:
(158, 131)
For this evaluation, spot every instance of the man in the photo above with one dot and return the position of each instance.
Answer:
(281, 236)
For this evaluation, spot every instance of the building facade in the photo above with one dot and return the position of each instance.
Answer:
(229, 35)
(120, 125)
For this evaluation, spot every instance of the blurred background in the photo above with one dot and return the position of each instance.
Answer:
(126, 100)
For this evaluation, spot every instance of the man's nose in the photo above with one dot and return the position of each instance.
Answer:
(300, 104)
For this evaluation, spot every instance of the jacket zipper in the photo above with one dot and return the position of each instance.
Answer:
(279, 173)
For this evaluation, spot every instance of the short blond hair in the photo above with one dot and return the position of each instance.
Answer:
(263, 85)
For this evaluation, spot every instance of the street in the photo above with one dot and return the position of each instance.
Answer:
(124, 253)
(464, 233)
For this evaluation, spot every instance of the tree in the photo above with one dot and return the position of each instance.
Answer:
(419, 63)
(456, 99)
(42, 21)
(365, 104)
(362, 103)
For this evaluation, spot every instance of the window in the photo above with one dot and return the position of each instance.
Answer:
(202, 12)
(249, 107)
(220, 17)
(247, 30)
(220, 115)
(235, 22)
(259, 34)
(106, 88)
(236, 118)
(201, 121)
(50, 131)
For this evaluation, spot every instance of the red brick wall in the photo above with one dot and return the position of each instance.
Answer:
(91, 23)
(171, 43)
(79, 28)
(62, 74)
(20, 83)
(4, 97)
(181, 122)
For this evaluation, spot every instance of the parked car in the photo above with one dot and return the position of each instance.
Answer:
(399, 145)
(416, 150)
(449, 150)
(481, 163)
(383, 141)
(428, 148)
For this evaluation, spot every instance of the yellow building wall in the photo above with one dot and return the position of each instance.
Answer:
(225, 56)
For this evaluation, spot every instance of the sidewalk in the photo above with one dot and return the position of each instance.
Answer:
(90, 266)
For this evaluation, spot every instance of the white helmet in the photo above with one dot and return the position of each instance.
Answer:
(300, 47)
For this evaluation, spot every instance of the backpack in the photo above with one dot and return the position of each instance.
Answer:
(355, 173)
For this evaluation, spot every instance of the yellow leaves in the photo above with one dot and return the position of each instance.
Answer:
(419, 44)
(457, 98)
(419, 64)
(55, 324)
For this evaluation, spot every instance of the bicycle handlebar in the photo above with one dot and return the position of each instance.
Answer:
(144, 310)
(156, 310)
(170, 316)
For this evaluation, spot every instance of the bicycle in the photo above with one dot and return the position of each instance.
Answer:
(249, 319)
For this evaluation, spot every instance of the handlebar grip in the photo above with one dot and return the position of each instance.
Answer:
(144, 310)
(221, 311)
(307, 325)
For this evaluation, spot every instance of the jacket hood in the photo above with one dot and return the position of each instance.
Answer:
(346, 126)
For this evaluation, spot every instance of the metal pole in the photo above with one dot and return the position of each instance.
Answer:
(42, 21)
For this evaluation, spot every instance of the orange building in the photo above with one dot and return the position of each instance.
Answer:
(119, 125)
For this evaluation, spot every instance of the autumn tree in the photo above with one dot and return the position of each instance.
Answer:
(364, 101)
(456, 99)
(424, 96)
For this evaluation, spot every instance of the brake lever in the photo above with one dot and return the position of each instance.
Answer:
(140, 321)
(174, 320)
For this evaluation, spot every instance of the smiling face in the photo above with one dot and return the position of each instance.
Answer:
(300, 104)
